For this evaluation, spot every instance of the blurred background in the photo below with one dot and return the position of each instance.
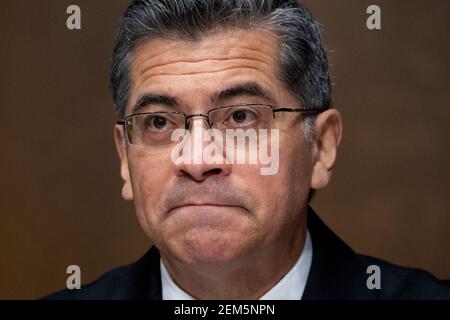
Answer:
(60, 200)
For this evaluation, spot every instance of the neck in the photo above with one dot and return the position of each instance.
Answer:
(242, 279)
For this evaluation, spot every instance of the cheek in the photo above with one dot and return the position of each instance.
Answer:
(288, 187)
(287, 191)
(149, 174)
(298, 171)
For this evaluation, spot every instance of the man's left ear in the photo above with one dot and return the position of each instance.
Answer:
(327, 136)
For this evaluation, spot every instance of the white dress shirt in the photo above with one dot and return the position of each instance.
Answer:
(290, 287)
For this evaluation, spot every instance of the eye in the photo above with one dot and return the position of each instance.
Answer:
(241, 117)
(154, 122)
(158, 122)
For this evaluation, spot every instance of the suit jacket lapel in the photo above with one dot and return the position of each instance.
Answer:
(143, 280)
(335, 271)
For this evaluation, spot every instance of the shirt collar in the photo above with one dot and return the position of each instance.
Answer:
(290, 287)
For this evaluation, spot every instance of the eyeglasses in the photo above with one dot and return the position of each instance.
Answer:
(154, 129)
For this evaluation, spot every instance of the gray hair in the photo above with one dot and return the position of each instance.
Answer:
(302, 60)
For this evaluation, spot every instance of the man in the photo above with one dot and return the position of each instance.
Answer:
(188, 75)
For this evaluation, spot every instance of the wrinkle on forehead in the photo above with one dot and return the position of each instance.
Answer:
(166, 59)
(227, 51)
(259, 45)
(188, 70)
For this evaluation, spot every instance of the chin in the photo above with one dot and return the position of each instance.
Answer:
(210, 247)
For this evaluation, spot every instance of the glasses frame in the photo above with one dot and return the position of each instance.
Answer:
(304, 111)
(206, 115)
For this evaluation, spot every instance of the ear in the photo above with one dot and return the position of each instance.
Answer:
(119, 137)
(327, 136)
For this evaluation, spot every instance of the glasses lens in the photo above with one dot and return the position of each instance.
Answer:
(242, 117)
(153, 129)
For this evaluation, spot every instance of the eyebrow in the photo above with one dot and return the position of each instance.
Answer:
(246, 89)
(151, 98)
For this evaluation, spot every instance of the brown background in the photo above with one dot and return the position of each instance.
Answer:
(60, 198)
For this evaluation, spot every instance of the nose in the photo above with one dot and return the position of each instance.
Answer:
(202, 156)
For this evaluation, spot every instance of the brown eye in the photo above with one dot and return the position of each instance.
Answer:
(239, 116)
(159, 122)
(242, 117)
(155, 122)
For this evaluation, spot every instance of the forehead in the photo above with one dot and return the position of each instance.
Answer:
(171, 66)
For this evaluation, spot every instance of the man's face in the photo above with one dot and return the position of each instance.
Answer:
(206, 213)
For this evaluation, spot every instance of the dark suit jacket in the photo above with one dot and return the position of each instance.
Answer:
(336, 273)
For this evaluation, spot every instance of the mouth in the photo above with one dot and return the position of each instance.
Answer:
(205, 205)
(206, 214)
